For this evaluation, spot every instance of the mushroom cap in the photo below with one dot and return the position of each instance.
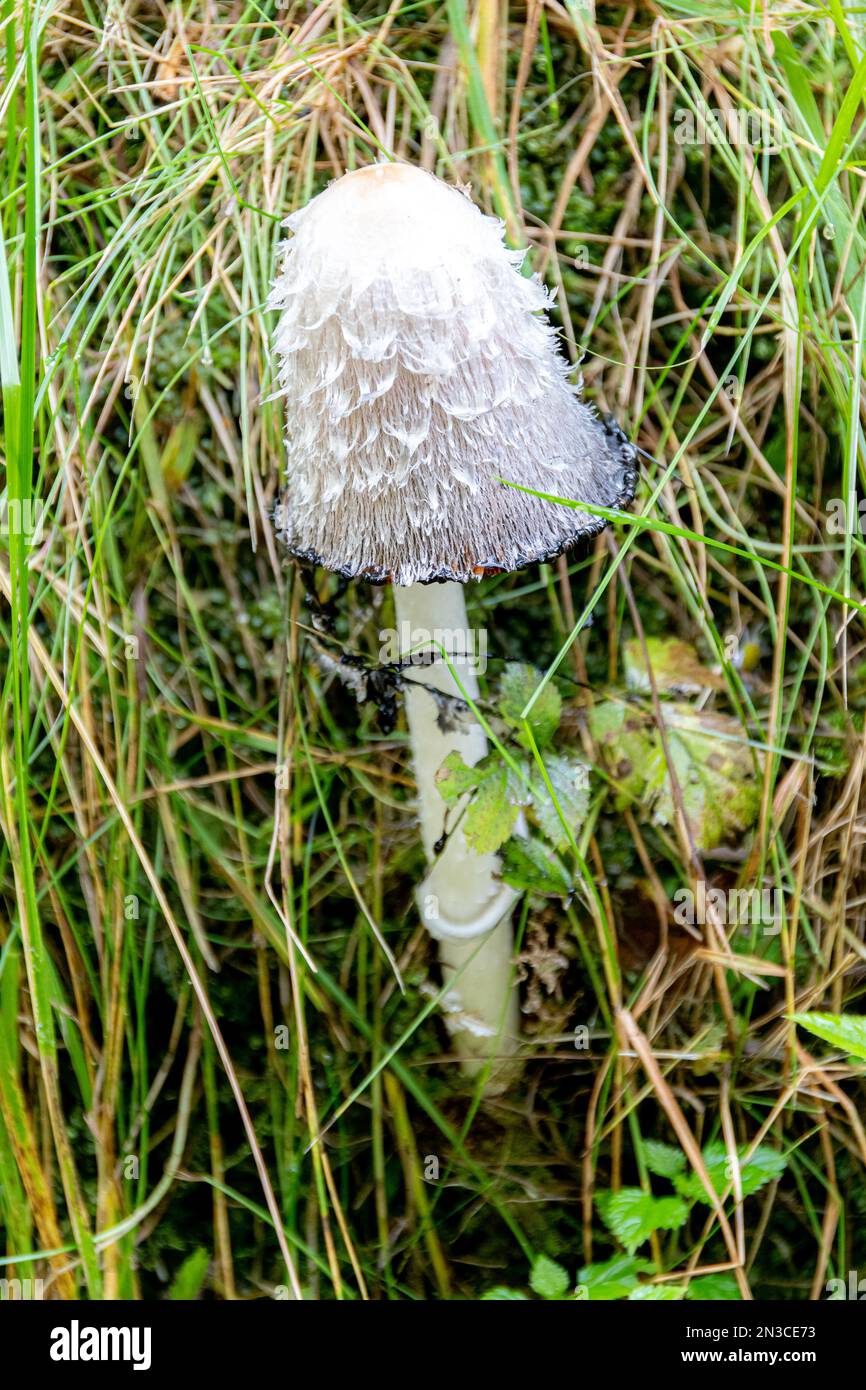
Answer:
(418, 370)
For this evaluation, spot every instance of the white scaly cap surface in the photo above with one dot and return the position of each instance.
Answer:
(418, 367)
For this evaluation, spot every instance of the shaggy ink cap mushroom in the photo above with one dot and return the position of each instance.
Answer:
(418, 369)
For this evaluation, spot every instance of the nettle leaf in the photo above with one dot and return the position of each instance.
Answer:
(519, 684)
(658, 1293)
(613, 1279)
(632, 1215)
(845, 1031)
(496, 796)
(491, 813)
(665, 1160)
(529, 867)
(570, 783)
(455, 778)
(710, 1287)
(765, 1165)
(548, 1279)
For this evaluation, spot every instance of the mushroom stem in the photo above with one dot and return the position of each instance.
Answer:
(462, 902)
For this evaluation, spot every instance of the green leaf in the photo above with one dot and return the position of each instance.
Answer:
(716, 775)
(613, 1279)
(657, 1293)
(495, 798)
(455, 778)
(548, 1279)
(845, 1031)
(527, 866)
(665, 1160)
(711, 1287)
(675, 665)
(632, 1215)
(631, 747)
(519, 684)
(765, 1165)
(570, 783)
(708, 753)
(187, 1283)
(491, 813)
(503, 1295)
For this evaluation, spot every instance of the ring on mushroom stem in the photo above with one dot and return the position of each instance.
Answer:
(418, 369)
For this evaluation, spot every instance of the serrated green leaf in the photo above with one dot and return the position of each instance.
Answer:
(491, 813)
(764, 1166)
(665, 1160)
(570, 783)
(519, 684)
(632, 1215)
(657, 1293)
(495, 798)
(612, 1279)
(845, 1031)
(527, 866)
(455, 778)
(547, 1278)
(710, 1287)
